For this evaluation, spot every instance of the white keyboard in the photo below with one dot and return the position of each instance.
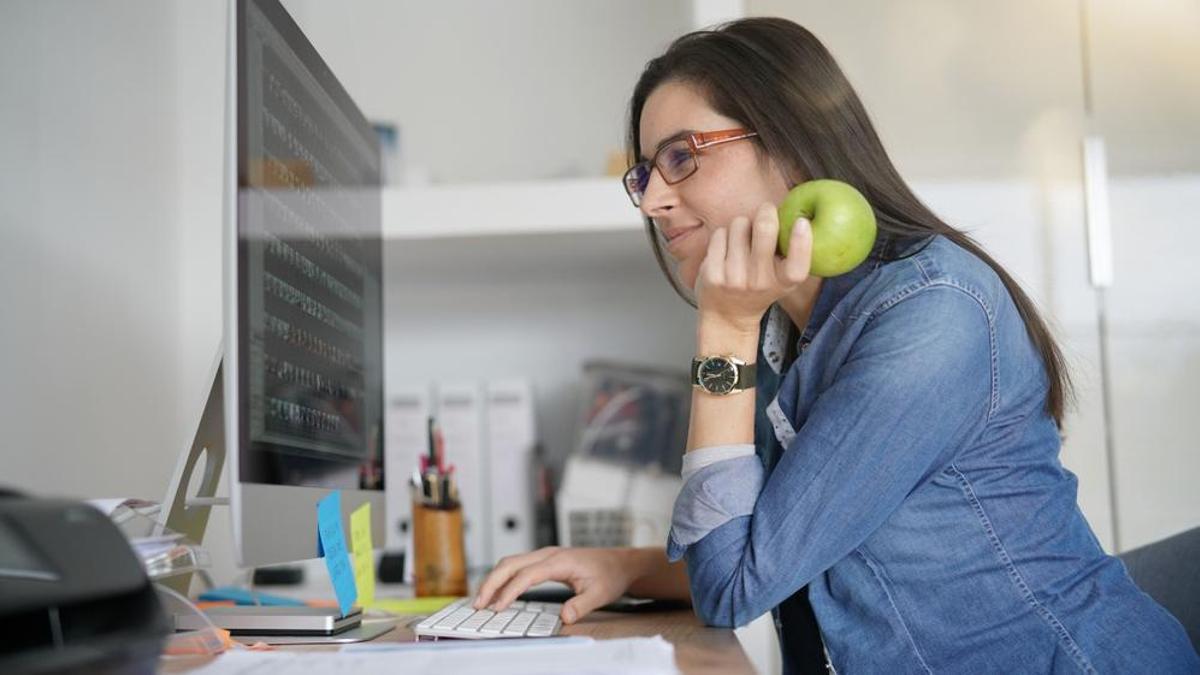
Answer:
(520, 619)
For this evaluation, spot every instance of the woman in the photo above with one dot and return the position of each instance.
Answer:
(891, 490)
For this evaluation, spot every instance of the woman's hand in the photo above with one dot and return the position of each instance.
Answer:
(597, 575)
(742, 275)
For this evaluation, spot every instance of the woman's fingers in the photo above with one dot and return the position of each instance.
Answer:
(794, 268)
(713, 268)
(747, 249)
(764, 243)
(743, 269)
(737, 253)
(597, 576)
(504, 570)
(545, 570)
(584, 603)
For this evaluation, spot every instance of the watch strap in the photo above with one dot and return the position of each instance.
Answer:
(747, 377)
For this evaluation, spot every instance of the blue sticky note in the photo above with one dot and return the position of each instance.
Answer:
(242, 596)
(333, 543)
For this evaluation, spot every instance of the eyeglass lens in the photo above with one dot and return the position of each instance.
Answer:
(675, 162)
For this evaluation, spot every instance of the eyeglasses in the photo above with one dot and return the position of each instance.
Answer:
(677, 160)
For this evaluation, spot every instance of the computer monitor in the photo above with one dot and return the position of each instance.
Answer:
(303, 359)
(295, 403)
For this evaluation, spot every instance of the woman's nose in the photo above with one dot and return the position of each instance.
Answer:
(659, 197)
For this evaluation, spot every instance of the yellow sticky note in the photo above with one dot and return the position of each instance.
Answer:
(407, 606)
(363, 553)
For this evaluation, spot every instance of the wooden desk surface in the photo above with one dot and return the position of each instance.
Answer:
(699, 649)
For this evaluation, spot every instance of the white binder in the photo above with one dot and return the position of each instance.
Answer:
(511, 435)
(407, 439)
(459, 412)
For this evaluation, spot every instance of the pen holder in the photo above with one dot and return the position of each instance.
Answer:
(439, 564)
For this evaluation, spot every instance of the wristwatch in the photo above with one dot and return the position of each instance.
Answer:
(721, 374)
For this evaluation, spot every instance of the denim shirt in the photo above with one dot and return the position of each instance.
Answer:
(916, 490)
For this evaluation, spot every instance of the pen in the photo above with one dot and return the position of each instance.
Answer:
(435, 488)
(440, 448)
(433, 461)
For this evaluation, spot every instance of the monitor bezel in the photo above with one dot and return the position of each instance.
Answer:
(264, 523)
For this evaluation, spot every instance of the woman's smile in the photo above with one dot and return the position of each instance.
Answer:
(676, 236)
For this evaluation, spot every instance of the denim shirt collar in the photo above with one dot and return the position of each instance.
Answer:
(772, 430)
(833, 289)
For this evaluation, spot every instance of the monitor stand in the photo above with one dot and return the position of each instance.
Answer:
(288, 625)
(187, 508)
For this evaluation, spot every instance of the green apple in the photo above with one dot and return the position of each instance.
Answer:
(843, 224)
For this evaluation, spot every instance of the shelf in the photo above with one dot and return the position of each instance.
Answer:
(502, 209)
(549, 258)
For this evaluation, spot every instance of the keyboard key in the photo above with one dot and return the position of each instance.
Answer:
(554, 608)
(533, 606)
(520, 623)
(456, 617)
(442, 613)
(542, 628)
(497, 623)
(476, 621)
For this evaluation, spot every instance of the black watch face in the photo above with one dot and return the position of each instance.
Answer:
(718, 375)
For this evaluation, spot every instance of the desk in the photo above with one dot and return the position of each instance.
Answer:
(699, 649)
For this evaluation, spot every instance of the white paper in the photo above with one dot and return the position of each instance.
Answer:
(628, 656)
(110, 504)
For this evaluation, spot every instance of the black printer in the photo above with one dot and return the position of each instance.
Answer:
(74, 597)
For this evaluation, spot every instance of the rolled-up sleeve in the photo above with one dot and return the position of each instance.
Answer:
(720, 483)
(916, 385)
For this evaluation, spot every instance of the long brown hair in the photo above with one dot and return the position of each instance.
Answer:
(775, 77)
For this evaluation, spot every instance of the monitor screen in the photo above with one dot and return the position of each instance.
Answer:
(309, 267)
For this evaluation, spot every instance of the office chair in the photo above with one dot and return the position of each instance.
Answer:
(1168, 571)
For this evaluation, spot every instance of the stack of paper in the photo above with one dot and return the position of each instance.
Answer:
(538, 656)
(163, 553)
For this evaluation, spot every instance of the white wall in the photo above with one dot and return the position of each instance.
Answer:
(89, 248)
(495, 90)
(1154, 318)
(110, 197)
